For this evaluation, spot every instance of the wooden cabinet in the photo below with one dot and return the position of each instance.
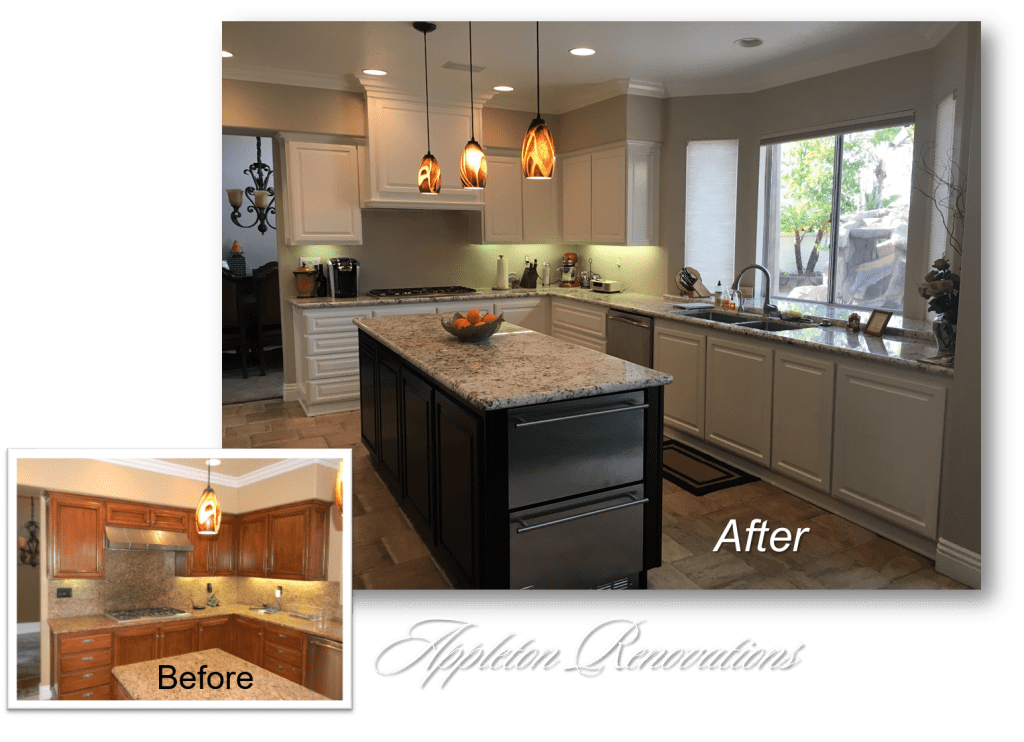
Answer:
(249, 640)
(388, 454)
(610, 194)
(225, 547)
(322, 194)
(577, 323)
(252, 545)
(177, 638)
(887, 454)
(459, 478)
(284, 653)
(82, 663)
(136, 644)
(76, 536)
(212, 555)
(133, 515)
(803, 395)
(517, 209)
(417, 400)
(739, 397)
(682, 353)
(214, 633)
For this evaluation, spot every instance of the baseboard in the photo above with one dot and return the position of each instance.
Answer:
(45, 693)
(29, 628)
(291, 392)
(959, 563)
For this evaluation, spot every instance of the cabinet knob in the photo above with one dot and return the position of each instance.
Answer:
(200, 629)
(88, 675)
(88, 641)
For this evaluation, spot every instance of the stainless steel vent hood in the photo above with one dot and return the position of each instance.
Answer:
(140, 539)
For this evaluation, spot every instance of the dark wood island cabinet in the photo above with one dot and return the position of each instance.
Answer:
(524, 462)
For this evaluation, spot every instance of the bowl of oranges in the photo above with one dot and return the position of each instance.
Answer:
(475, 327)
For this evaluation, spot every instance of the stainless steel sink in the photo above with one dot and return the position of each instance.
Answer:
(769, 325)
(732, 319)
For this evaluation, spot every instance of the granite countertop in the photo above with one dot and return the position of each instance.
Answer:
(906, 343)
(516, 367)
(326, 630)
(141, 680)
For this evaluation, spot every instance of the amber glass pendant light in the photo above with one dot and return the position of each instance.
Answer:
(338, 488)
(429, 177)
(473, 167)
(208, 510)
(538, 145)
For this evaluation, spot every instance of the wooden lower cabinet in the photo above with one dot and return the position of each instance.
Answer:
(138, 644)
(248, 640)
(284, 653)
(82, 662)
(121, 694)
(177, 638)
(215, 633)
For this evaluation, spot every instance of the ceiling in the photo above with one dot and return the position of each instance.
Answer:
(668, 58)
(227, 467)
(233, 472)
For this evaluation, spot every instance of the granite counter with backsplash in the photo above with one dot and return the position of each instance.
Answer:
(141, 681)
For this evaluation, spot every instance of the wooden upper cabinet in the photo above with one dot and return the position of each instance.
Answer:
(76, 537)
(132, 515)
(298, 541)
(252, 545)
(170, 519)
(225, 551)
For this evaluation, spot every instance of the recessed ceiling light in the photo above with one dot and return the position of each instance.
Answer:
(749, 42)
(226, 54)
(213, 462)
(374, 72)
(504, 88)
(582, 51)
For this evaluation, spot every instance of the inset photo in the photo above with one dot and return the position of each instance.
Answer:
(180, 578)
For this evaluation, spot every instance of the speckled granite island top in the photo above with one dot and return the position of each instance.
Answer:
(515, 368)
(142, 680)
(327, 630)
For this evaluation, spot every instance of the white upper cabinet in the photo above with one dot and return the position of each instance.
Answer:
(610, 194)
(517, 209)
(322, 183)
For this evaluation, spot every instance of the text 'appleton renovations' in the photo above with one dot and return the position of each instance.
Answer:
(443, 648)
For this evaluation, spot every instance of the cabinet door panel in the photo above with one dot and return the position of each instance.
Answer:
(576, 198)
(503, 200)
(608, 196)
(323, 190)
(288, 545)
(540, 209)
(682, 354)
(367, 396)
(214, 634)
(458, 481)
(76, 543)
(252, 546)
(177, 639)
(417, 404)
(125, 514)
(739, 398)
(136, 645)
(802, 419)
(249, 641)
(169, 520)
(225, 547)
(387, 397)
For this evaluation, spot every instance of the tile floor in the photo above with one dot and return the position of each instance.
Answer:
(28, 667)
(387, 552)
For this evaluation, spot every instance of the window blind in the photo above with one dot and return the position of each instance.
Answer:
(710, 209)
(942, 163)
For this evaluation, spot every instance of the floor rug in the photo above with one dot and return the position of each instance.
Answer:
(235, 389)
(698, 473)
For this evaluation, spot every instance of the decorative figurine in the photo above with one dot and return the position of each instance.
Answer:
(853, 323)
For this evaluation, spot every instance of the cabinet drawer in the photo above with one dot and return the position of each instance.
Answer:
(99, 693)
(342, 342)
(281, 654)
(85, 679)
(332, 321)
(333, 389)
(410, 308)
(284, 638)
(285, 670)
(72, 643)
(169, 520)
(584, 321)
(325, 367)
(84, 660)
(132, 516)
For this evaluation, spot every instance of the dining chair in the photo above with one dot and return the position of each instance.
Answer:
(234, 324)
(268, 311)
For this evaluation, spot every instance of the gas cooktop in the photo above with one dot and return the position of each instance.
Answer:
(423, 291)
(142, 614)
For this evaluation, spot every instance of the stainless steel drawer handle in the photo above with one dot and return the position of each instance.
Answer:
(87, 659)
(88, 695)
(628, 322)
(521, 423)
(527, 527)
(88, 675)
(87, 641)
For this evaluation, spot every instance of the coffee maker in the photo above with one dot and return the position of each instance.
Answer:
(344, 276)
(568, 276)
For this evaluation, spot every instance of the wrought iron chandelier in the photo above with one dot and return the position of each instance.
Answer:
(260, 195)
(28, 548)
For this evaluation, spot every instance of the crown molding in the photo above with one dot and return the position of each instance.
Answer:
(297, 78)
(166, 468)
(397, 89)
(610, 89)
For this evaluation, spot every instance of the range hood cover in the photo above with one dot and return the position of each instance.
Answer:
(142, 539)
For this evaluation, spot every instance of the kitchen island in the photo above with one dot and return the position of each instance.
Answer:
(523, 462)
(225, 678)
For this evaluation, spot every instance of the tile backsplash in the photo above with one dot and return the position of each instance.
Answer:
(140, 579)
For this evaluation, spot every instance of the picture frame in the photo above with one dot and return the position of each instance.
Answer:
(877, 323)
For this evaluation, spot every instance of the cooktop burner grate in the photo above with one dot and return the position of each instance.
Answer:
(422, 291)
(140, 614)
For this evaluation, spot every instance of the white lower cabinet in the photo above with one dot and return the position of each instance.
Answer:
(327, 359)
(802, 419)
(578, 323)
(532, 313)
(887, 453)
(739, 398)
(682, 354)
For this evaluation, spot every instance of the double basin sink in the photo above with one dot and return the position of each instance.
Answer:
(766, 325)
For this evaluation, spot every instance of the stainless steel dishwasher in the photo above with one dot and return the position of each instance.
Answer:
(630, 337)
(323, 666)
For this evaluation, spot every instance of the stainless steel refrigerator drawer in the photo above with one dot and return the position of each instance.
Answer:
(573, 447)
(586, 542)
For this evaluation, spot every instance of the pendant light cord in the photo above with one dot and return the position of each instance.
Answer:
(472, 129)
(538, 69)
(426, 83)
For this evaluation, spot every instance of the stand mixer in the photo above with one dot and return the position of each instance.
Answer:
(568, 275)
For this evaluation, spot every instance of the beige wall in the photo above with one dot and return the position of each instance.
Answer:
(29, 577)
(505, 129)
(271, 108)
(603, 122)
(644, 118)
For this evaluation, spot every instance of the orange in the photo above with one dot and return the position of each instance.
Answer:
(480, 324)
(489, 318)
(460, 323)
(473, 316)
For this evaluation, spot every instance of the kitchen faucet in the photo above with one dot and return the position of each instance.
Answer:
(768, 307)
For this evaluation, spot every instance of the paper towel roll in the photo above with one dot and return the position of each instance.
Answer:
(502, 273)
(545, 275)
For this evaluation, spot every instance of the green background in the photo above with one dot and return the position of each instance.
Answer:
(104, 296)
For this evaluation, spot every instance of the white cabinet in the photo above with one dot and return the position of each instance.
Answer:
(610, 194)
(680, 352)
(888, 446)
(531, 312)
(739, 397)
(517, 209)
(322, 184)
(802, 418)
(578, 323)
(327, 359)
